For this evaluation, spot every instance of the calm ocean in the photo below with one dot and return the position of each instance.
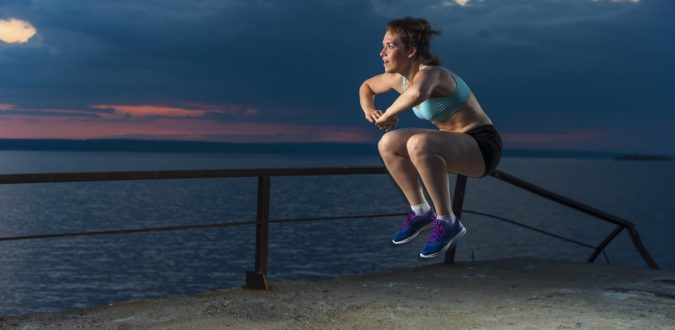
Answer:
(65, 273)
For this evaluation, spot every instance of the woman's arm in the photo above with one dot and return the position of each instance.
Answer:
(376, 85)
(417, 92)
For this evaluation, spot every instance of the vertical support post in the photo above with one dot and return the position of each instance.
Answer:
(601, 247)
(258, 279)
(635, 237)
(457, 206)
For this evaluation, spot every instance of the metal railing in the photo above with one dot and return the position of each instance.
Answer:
(257, 279)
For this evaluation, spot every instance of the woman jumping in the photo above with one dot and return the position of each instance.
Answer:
(465, 143)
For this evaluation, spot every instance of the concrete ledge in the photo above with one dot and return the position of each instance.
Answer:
(501, 294)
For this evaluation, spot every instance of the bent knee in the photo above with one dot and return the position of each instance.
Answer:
(418, 145)
(390, 142)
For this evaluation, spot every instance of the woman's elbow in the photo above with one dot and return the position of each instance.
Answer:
(366, 89)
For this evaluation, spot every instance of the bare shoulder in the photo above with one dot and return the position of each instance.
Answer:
(437, 80)
(434, 71)
(384, 82)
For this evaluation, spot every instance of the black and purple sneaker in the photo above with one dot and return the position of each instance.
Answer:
(442, 237)
(412, 226)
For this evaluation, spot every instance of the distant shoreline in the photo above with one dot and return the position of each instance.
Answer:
(644, 157)
(132, 145)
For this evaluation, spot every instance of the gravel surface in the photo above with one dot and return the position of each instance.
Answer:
(500, 294)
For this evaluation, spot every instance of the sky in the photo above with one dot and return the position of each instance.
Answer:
(592, 75)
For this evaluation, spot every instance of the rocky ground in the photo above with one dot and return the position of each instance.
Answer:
(502, 294)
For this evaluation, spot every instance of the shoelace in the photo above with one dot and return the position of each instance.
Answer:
(438, 232)
(408, 220)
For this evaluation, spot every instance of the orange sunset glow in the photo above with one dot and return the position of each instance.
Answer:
(166, 124)
(171, 112)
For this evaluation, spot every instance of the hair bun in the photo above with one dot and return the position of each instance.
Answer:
(423, 26)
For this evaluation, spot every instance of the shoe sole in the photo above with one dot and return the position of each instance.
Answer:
(431, 224)
(447, 245)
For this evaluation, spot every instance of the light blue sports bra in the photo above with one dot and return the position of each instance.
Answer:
(441, 108)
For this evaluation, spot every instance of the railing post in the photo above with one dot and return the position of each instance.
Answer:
(630, 227)
(601, 247)
(457, 205)
(635, 237)
(258, 279)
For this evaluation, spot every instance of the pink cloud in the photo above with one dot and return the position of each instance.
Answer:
(7, 106)
(22, 127)
(190, 122)
(270, 132)
(150, 111)
(186, 122)
(191, 110)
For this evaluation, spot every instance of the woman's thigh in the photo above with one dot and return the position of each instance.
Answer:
(460, 151)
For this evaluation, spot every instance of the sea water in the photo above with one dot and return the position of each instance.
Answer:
(58, 274)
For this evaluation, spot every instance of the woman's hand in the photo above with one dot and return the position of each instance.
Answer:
(386, 123)
(373, 115)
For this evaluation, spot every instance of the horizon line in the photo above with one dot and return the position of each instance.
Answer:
(150, 145)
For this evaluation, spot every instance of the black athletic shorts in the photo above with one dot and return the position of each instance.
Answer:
(490, 144)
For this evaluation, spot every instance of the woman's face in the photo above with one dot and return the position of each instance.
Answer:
(394, 55)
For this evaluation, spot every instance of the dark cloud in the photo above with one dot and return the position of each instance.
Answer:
(576, 64)
(238, 53)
